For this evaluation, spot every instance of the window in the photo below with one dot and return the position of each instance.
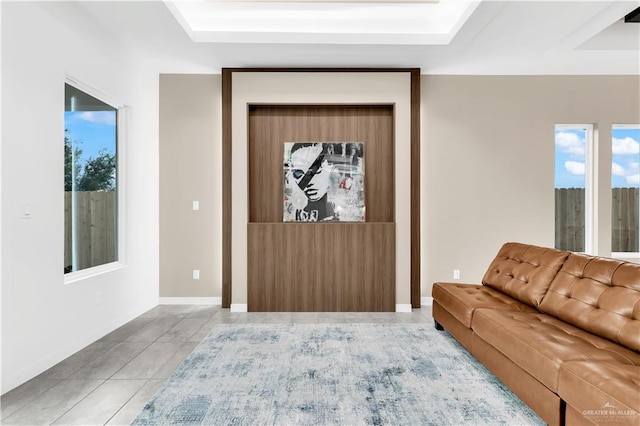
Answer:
(90, 181)
(625, 184)
(573, 187)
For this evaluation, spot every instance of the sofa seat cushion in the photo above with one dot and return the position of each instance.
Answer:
(461, 300)
(523, 271)
(540, 344)
(602, 392)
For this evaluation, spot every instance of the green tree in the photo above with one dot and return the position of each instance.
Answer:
(71, 164)
(98, 174)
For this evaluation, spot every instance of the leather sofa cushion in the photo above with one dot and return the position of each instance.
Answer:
(523, 271)
(599, 295)
(461, 300)
(603, 393)
(540, 344)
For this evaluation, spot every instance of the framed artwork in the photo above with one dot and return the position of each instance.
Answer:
(323, 182)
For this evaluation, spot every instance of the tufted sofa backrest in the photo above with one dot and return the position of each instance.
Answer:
(599, 295)
(523, 271)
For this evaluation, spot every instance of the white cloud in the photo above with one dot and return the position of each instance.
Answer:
(574, 167)
(631, 173)
(98, 117)
(625, 146)
(570, 143)
(617, 170)
(633, 179)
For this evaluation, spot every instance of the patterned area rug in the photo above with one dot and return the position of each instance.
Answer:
(333, 374)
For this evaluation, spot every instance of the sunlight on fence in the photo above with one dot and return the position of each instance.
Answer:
(90, 232)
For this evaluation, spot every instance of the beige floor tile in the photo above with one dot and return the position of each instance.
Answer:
(148, 362)
(49, 406)
(98, 407)
(170, 366)
(12, 401)
(107, 364)
(182, 331)
(153, 330)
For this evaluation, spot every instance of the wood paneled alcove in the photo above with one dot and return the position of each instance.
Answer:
(320, 267)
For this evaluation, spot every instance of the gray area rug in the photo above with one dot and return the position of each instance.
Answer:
(333, 374)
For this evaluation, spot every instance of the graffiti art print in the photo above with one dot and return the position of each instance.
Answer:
(323, 182)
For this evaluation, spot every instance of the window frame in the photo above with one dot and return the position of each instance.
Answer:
(590, 199)
(121, 120)
(621, 254)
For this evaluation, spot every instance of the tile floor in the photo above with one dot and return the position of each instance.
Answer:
(109, 381)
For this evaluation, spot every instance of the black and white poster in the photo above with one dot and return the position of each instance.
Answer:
(324, 182)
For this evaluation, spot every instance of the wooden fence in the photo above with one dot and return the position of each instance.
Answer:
(90, 227)
(570, 212)
(624, 220)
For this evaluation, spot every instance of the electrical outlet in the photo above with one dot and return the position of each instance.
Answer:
(196, 205)
(196, 274)
(456, 274)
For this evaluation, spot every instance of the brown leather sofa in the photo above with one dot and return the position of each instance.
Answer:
(560, 329)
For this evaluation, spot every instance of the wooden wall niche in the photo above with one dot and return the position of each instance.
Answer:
(320, 267)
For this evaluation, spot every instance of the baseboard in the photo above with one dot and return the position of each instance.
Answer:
(190, 301)
(403, 307)
(239, 307)
(426, 301)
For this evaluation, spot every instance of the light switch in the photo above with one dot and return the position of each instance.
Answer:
(26, 212)
(196, 205)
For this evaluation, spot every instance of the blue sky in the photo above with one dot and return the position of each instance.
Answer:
(570, 157)
(625, 166)
(91, 131)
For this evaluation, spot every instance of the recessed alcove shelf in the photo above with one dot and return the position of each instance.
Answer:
(270, 126)
(320, 267)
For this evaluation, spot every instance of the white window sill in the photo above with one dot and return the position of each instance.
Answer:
(73, 277)
(625, 256)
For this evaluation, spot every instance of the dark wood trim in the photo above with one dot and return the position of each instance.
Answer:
(327, 70)
(226, 187)
(415, 188)
(227, 76)
(254, 105)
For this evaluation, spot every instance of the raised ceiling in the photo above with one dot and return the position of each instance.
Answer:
(444, 37)
(323, 22)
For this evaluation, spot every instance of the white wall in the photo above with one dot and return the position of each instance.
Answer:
(45, 320)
